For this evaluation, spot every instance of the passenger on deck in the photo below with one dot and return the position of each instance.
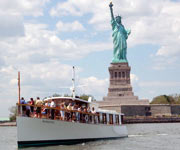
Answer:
(62, 113)
(38, 109)
(69, 107)
(73, 114)
(85, 116)
(22, 101)
(80, 108)
(79, 113)
(94, 118)
(85, 110)
(32, 107)
(76, 114)
(90, 116)
(69, 114)
(46, 110)
(74, 106)
(89, 110)
(27, 109)
(52, 105)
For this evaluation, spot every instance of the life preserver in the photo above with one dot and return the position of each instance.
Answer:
(86, 118)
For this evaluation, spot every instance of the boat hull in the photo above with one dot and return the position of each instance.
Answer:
(42, 132)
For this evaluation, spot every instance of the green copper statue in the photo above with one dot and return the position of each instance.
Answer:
(120, 35)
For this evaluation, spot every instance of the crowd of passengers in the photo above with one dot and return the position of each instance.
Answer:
(67, 111)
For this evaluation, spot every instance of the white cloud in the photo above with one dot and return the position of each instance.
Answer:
(2, 62)
(69, 27)
(153, 88)
(159, 84)
(98, 9)
(169, 50)
(134, 78)
(94, 86)
(57, 11)
(11, 25)
(23, 7)
(76, 8)
(40, 45)
(12, 15)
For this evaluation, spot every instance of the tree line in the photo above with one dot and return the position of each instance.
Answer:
(166, 99)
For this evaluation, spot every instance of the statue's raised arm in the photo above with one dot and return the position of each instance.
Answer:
(120, 35)
(111, 10)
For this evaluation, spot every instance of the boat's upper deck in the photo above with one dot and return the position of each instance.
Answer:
(66, 99)
(70, 109)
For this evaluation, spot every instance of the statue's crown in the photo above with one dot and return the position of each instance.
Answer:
(118, 16)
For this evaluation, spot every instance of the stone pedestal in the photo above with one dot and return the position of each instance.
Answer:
(120, 90)
(120, 83)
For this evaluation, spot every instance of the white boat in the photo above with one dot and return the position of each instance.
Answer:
(83, 127)
(42, 131)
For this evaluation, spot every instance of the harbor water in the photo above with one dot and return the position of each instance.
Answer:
(163, 136)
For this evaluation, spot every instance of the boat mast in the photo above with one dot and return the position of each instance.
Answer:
(73, 82)
(19, 88)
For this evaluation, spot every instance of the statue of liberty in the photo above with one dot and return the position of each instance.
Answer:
(120, 35)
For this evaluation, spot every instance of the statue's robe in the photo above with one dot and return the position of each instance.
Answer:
(120, 36)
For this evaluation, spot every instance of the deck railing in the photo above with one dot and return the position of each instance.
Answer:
(47, 112)
(57, 113)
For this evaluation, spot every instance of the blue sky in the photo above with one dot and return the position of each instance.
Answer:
(44, 38)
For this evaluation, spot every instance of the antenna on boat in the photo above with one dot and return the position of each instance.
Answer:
(73, 87)
(19, 87)
(73, 82)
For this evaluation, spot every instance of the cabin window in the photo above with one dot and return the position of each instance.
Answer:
(110, 119)
(117, 119)
(122, 118)
(104, 118)
(101, 117)
(107, 118)
(114, 119)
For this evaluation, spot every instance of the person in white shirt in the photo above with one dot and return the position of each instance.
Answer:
(62, 111)
(94, 118)
(53, 105)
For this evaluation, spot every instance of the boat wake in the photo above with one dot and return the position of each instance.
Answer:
(163, 134)
(140, 135)
(135, 135)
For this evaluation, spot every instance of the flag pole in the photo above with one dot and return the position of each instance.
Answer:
(19, 88)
